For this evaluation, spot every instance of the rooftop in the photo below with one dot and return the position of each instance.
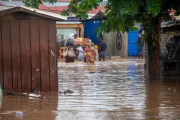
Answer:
(8, 9)
(59, 9)
(68, 22)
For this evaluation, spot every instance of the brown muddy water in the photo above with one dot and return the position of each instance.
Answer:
(111, 90)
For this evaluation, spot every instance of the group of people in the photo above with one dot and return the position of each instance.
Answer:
(87, 52)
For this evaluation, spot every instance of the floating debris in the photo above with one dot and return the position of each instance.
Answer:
(34, 91)
(52, 53)
(34, 95)
(19, 114)
(91, 72)
(69, 91)
(65, 92)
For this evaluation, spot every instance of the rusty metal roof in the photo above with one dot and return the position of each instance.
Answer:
(99, 16)
(170, 24)
(5, 9)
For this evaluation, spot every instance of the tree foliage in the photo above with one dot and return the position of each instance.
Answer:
(81, 7)
(36, 3)
(122, 14)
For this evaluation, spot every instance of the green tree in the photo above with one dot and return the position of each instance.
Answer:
(36, 3)
(121, 17)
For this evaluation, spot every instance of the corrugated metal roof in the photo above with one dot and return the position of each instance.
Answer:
(59, 9)
(12, 2)
(68, 22)
(2, 8)
(45, 13)
(99, 16)
(45, 3)
(34, 11)
(170, 24)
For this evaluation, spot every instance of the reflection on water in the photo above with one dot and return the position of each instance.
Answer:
(111, 90)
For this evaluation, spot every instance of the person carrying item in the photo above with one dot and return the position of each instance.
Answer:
(89, 38)
(70, 55)
(71, 40)
(102, 50)
(90, 53)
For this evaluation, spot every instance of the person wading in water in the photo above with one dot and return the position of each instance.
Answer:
(140, 44)
(90, 53)
(102, 50)
(70, 54)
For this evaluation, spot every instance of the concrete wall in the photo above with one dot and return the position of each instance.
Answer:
(164, 38)
(110, 39)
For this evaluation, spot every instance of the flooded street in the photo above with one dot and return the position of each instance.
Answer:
(110, 90)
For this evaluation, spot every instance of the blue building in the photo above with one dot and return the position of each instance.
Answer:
(132, 41)
(91, 26)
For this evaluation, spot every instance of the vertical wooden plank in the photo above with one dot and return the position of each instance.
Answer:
(25, 55)
(52, 56)
(44, 55)
(16, 59)
(1, 58)
(6, 45)
(35, 53)
(53, 100)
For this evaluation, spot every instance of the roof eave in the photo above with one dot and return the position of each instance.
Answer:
(9, 11)
(34, 12)
(39, 14)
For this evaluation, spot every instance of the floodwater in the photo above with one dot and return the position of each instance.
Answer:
(110, 90)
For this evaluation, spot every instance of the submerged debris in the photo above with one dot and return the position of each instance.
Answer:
(34, 95)
(69, 91)
(60, 92)
(66, 91)
(19, 114)
(34, 91)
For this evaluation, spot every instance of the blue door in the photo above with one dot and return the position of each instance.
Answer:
(90, 30)
(132, 46)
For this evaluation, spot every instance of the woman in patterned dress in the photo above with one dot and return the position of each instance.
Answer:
(90, 53)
